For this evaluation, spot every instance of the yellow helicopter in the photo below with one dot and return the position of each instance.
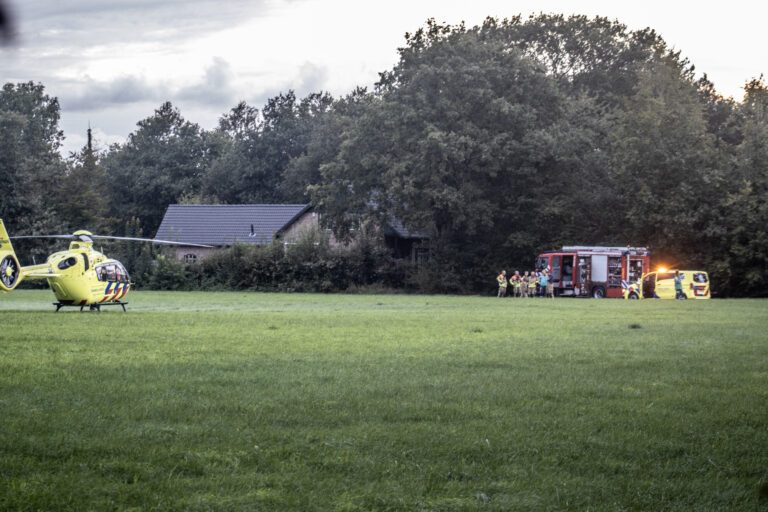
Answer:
(79, 276)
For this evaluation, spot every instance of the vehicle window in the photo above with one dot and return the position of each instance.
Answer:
(568, 269)
(122, 274)
(614, 271)
(69, 262)
(699, 277)
(556, 268)
(649, 285)
(666, 275)
(635, 269)
(543, 262)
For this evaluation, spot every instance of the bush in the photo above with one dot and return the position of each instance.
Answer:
(308, 265)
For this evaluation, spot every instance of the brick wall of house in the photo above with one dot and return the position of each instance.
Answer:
(306, 223)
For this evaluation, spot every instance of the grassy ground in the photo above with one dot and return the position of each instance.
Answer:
(233, 401)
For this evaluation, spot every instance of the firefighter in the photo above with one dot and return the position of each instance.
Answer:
(524, 285)
(502, 280)
(515, 281)
(532, 282)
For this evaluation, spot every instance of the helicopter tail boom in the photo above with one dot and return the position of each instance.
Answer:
(10, 270)
(37, 272)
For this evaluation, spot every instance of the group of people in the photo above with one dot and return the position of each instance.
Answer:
(537, 283)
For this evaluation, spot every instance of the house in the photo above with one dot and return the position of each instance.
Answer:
(406, 244)
(225, 225)
(260, 224)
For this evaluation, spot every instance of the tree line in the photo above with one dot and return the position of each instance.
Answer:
(499, 140)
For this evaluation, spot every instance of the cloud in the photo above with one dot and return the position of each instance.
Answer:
(312, 78)
(216, 87)
(88, 94)
(308, 78)
(130, 20)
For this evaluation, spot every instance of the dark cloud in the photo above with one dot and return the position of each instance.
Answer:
(90, 95)
(7, 26)
(100, 22)
(215, 89)
(74, 46)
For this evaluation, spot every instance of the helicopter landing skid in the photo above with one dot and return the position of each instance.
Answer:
(92, 307)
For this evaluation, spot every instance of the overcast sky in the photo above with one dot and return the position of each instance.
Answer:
(112, 62)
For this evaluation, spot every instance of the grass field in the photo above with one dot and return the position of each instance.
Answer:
(246, 401)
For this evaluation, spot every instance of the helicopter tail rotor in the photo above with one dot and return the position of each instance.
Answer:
(10, 270)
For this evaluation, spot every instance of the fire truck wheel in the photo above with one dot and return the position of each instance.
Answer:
(598, 292)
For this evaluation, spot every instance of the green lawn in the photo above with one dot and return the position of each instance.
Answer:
(246, 401)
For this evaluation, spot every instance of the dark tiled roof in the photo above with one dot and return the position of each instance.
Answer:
(227, 224)
(395, 227)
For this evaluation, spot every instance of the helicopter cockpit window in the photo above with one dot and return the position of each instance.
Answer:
(112, 272)
(106, 272)
(121, 273)
(69, 262)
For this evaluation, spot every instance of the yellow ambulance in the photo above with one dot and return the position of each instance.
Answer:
(661, 285)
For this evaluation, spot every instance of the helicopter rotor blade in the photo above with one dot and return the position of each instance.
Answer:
(64, 237)
(87, 238)
(150, 240)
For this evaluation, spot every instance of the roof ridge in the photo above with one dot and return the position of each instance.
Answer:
(249, 204)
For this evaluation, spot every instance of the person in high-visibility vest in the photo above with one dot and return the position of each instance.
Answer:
(515, 281)
(502, 280)
(532, 282)
(524, 285)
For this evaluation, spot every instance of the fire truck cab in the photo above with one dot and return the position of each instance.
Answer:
(596, 271)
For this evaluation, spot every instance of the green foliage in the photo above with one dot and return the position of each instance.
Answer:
(254, 167)
(742, 262)
(309, 264)
(162, 161)
(30, 164)
(81, 198)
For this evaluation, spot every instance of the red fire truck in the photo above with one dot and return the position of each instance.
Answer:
(582, 271)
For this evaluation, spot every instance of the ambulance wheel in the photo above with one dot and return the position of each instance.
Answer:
(598, 292)
(633, 296)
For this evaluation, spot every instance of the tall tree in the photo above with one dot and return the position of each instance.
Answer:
(81, 197)
(742, 265)
(665, 164)
(161, 162)
(469, 139)
(30, 164)
(254, 167)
